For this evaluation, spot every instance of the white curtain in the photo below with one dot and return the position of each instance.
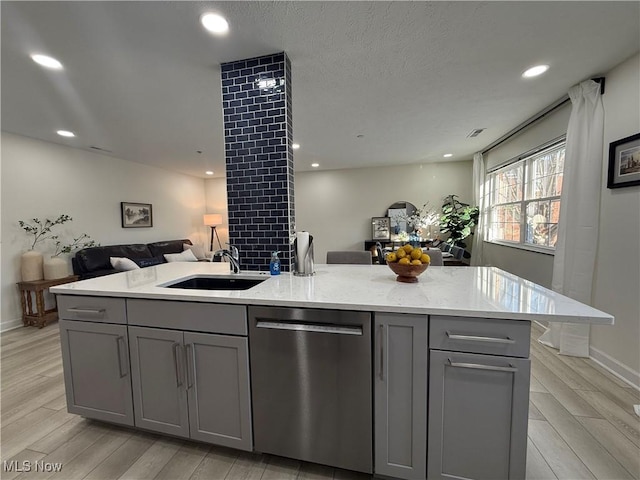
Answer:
(479, 177)
(574, 260)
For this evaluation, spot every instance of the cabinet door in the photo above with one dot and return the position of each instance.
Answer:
(96, 370)
(400, 395)
(478, 408)
(159, 384)
(218, 389)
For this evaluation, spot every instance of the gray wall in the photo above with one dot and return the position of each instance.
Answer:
(617, 280)
(336, 206)
(616, 285)
(42, 179)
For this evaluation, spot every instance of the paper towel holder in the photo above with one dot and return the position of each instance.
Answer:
(303, 267)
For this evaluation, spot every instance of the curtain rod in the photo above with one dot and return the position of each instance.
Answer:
(541, 114)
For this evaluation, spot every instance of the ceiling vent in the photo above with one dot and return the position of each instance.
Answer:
(476, 132)
(93, 147)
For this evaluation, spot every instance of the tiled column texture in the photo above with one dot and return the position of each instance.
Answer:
(256, 98)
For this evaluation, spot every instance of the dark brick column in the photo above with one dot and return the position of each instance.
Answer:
(256, 98)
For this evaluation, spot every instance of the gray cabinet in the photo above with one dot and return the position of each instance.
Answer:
(478, 407)
(157, 374)
(218, 389)
(192, 385)
(400, 395)
(96, 370)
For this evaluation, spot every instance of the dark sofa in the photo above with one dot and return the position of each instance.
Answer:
(94, 262)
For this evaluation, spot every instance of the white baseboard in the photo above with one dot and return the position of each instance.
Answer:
(10, 324)
(612, 365)
(621, 371)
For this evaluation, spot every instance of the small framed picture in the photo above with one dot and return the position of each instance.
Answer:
(380, 228)
(624, 162)
(136, 215)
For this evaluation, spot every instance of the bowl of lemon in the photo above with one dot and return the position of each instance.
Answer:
(408, 263)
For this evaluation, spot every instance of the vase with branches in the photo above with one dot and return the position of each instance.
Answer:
(41, 230)
(83, 241)
(419, 222)
(33, 267)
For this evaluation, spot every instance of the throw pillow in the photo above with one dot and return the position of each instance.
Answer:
(123, 264)
(148, 262)
(197, 250)
(186, 256)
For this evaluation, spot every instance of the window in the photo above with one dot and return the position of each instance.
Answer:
(524, 200)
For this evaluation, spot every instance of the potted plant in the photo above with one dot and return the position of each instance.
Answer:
(458, 220)
(57, 267)
(32, 265)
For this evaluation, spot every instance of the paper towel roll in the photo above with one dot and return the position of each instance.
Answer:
(302, 243)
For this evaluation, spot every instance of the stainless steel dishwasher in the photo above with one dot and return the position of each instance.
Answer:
(311, 385)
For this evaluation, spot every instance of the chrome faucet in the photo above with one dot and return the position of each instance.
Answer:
(233, 256)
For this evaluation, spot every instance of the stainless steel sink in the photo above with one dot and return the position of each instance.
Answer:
(217, 283)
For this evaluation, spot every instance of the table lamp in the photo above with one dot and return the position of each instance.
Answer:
(211, 220)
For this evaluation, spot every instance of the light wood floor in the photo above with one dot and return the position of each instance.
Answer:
(581, 426)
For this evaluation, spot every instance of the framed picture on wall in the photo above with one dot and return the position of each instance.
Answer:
(380, 228)
(136, 215)
(624, 162)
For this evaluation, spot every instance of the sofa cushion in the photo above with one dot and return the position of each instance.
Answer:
(197, 250)
(123, 264)
(158, 249)
(186, 256)
(97, 258)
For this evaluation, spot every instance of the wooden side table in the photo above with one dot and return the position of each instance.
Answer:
(40, 316)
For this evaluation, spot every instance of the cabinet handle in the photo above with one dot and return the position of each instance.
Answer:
(309, 327)
(478, 366)
(381, 351)
(120, 370)
(90, 311)
(475, 338)
(190, 360)
(175, 347)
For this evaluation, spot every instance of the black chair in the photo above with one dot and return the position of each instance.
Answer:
(457, 252)
(445, 247)
(348, 256)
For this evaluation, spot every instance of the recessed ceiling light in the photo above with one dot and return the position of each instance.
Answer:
(65, 133)
(48, 62)
(447, 155)
(208, 172)
(295, 146)
(214, 23)
(315, 165)
(535, 71)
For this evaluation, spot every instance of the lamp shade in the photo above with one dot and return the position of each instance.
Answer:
(212, 219)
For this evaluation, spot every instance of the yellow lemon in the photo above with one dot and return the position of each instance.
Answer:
(403, 261)
(408, 247)
(391, 257)
(416, 253)
(401, 253)
(425, 258)
(416, 262)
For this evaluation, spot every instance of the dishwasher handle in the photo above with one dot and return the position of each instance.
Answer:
(310, 327)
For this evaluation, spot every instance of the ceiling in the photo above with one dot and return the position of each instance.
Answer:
(374, 83)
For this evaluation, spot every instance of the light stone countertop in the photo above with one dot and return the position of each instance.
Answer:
(486, 292)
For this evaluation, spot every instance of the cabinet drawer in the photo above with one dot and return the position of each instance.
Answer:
(198, 317)
(480, 335)
(92, 309)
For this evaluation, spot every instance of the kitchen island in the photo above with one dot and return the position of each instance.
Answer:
(447, 367)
